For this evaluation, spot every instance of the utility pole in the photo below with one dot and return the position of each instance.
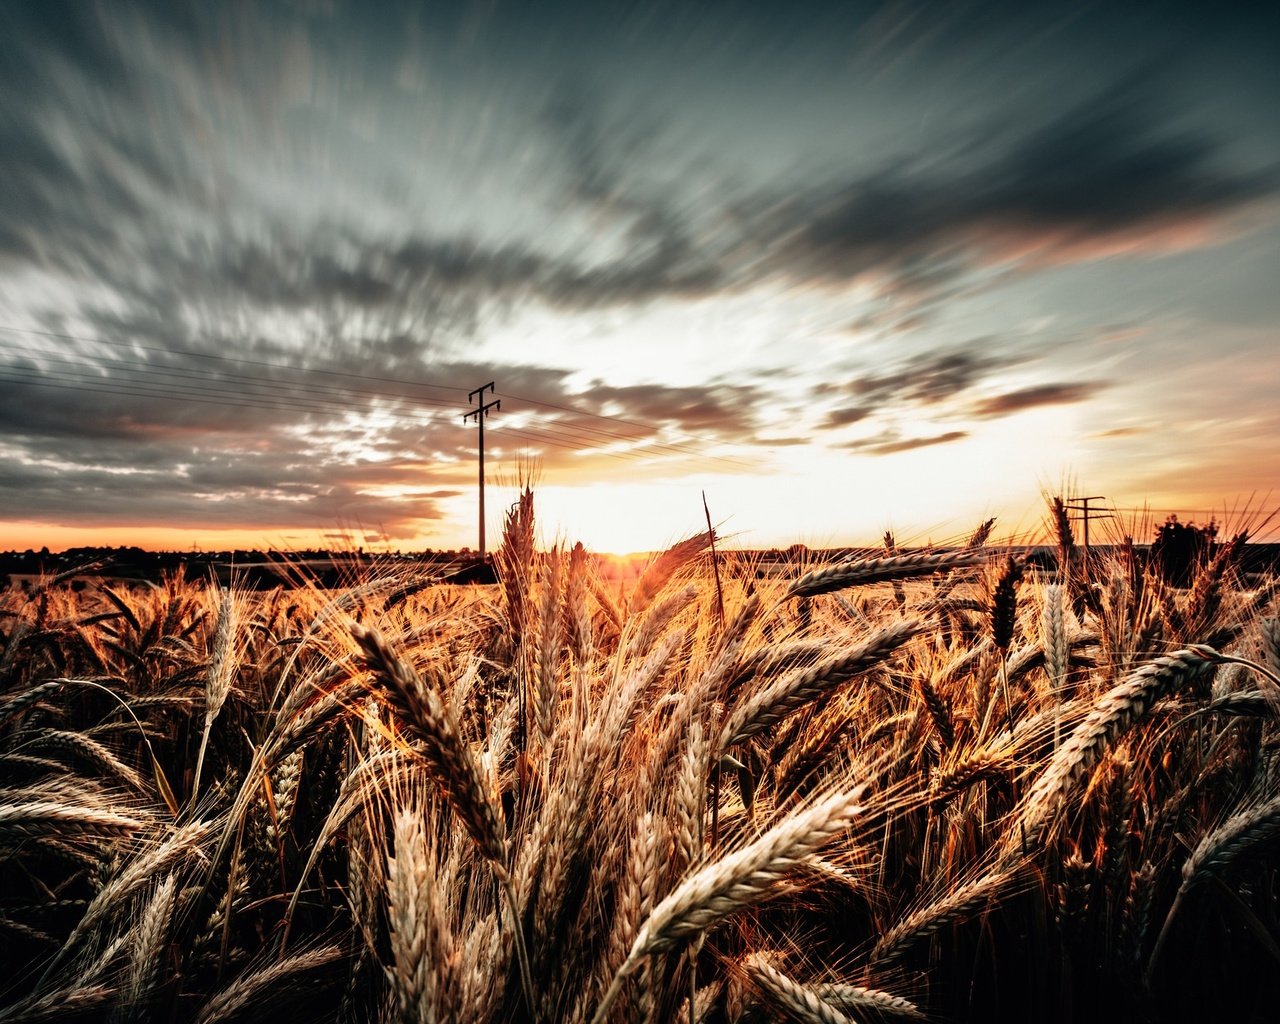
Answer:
(1081, 505)
(481, 412)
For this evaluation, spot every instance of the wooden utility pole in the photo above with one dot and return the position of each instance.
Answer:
(1081, 505)
(481, 412)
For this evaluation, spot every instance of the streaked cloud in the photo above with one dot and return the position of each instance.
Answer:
(252, 233)
(1033, 397)
(889, 445)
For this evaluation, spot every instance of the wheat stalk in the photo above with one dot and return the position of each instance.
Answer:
(76, 1000)
(419, 946)
(1268, 627)
(662, 568)
(954, 906)
(690, 798)
(250, 988)
(29, 815)
(546, 694)
(455, 768)
(147, 942)
(1214, 853)
(183, 842)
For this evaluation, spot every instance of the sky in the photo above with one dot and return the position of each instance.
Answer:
(839, 267)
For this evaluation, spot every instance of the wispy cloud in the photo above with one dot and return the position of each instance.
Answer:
(1033, 397)
(888, 445)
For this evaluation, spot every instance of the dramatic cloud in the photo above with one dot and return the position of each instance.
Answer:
(255, 441)
(929, 379)
(1104, 171)
(254, 256)
(925, 380)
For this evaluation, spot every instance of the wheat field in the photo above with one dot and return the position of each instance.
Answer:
(908, 786)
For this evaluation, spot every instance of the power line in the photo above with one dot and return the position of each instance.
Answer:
(229, 359)
(584, 412)
(265, 384)
(206, 395)
(161, 389)
(481, 413)
(1154, 510)
(291, 389)
(174, 396)
(584, 434)
(550, 433)
(1081, 505)
(577, 449)
(135, 346)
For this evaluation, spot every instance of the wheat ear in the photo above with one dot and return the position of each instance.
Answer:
(183, 842)
(954, 906)
(222, 668)
(249, 987)
(455, 768)
(546, 651)
(451, 760)
(60, 1004)
(416, 931)
(1215, 852)
(148, 940)
(662, 568)
(1270, 629)
(783, 696)
(736, 881)
(881, 570)
(797, 1002)
(862, 1000)
(1111, 716)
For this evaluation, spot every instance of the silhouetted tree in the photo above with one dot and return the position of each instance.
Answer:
(1179, 546)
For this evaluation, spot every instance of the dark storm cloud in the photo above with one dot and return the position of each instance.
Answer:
(597, 158)
(35, 37)
(88, 151)
(936, 384)
(219, 436)
(1110, 164)
(1033, 397)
